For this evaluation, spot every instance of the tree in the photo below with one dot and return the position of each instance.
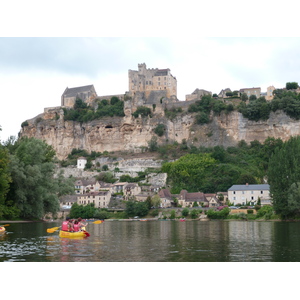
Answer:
(159, 129)
(283, 174)
(292, 85)
(185, 212)
(34, 189)
(155, 200)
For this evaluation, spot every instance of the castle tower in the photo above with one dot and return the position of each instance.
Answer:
(147, 80)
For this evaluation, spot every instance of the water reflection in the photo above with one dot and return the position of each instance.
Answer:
(156, 241)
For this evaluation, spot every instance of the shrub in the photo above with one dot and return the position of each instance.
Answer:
(249, 211)
(159, 129)
(185, 212)
(222, 214)
(265, 211)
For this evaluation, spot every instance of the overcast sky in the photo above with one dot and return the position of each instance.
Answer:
(34, 72)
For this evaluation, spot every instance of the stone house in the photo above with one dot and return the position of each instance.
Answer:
(186, 199)
(222, 94)
(213, 200)
(100, 199)
(84, 186)
(85, 93)
(270, 95)
(251, 91)
(166, 198)
(131, 189)
(197, 95)
(241, 194)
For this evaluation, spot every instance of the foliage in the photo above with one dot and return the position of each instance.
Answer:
(283, 176)
(185, 212)
(188, 171)
(143, 111)
(292, 85)
(265, 212)
(152, 144)
(81, 112)
(222, 214)
(155, 201)
(173, 214)
(106, 177)
(34, 190)
(194, 213)
(134, 208)
(159, 129)
(172, 113)
(5, 177)
(257, 109)
(82, 211)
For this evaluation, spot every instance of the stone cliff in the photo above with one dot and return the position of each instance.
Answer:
(133, 134)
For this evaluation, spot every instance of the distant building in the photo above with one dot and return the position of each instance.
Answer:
(222, 94)
(251, 91)
(100, 199)
(85, 93)
(241, 194)
(81, 162)
(270, 90)
(148, 80)
(197, 95)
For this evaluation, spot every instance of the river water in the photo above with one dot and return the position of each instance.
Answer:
(156, 241)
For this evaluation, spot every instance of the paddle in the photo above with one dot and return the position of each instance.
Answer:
(4, 225)
(53, 229)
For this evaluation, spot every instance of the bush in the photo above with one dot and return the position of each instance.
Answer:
(159, 129)
(222, 214)
(185, 212)
(249, 211)
(265, 211)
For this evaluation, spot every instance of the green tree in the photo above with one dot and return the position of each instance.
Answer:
(283, 172)
(34, 189)
(159, 129)
(155, 200)
(185, 212)
(292, 85)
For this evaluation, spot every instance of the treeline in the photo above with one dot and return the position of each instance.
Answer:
(260, 109)
(28, 188)
(81, 112)
(216, 169)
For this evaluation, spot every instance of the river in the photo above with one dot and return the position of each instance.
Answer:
(156, 241)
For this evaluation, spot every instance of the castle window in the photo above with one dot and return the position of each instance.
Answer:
(158, 78)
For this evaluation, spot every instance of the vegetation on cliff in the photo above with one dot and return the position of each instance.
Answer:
(81, 112)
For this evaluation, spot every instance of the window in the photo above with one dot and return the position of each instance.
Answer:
(234, 192)
(233, 198)
(243, 192)
(261, 192)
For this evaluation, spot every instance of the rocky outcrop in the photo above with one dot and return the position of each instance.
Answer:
(133, 134)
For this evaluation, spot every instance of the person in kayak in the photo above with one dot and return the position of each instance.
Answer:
(82, 224)
(65, 224)
(76, 226)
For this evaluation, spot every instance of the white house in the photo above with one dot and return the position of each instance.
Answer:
(241, 194)
(81, 162)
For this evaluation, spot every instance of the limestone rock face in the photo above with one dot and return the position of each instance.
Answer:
(133, 134)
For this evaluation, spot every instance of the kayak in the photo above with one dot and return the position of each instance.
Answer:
(2, 229)
(77, 234)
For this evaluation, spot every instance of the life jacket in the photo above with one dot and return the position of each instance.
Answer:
(64, 226)
(76, 227)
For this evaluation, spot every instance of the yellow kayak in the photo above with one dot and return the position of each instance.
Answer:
(2, 229)
(77, 234)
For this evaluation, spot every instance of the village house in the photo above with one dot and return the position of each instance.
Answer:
(213, 200)
(86, 93)
(81, 162)
(131, 189)
(249, 193)
(83, 186)
(166, 198)
(186, 199)
(251, 91)
(197, 95)
(100, 199)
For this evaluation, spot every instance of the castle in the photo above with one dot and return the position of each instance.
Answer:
(147, 80)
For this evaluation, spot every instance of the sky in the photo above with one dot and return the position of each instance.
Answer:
(34, 71)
